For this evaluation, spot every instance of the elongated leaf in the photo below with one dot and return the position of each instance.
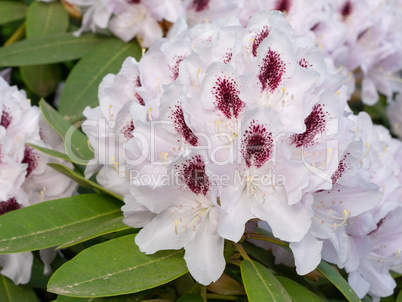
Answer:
(191, 298)
(138, 297)
(261, 284)
(86, 183)
(113, 225)
(332, 275)
(41, 79)
(297, 292)
(9, 292)
(116, 267)
(48, 49)
(81, 88)
(75, 141)
(51, 152)
(54, 222)
(46, 18)
(11, 11)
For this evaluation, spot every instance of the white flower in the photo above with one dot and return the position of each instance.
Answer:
(25, 179)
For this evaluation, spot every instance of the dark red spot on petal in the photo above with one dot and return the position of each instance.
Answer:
(227, 57)
(227, 99)
(272, 69)
(305, 64)
(342, 168)
(283, 5)
(5, 118)
(136, 94)
(175, 68)
(30, 158)
(180, 125)
(200, 5)
(9, 205)
(192, 173)
(126, 130)
(315, 123)
(258, 38)
(133, 1)
(257, 145)
(346, 9)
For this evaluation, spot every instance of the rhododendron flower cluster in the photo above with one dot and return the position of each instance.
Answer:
(356, 36)
(25, 179)
(219, 125)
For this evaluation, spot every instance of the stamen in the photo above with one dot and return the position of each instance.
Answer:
(110, 113)
(149, 114)
(365, 154)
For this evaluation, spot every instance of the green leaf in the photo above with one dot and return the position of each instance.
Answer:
(81, 88)
(116, 267)
(9, 292)
(261, 284)
(332, 275)
(48, 49)
(41, 79)
(55, 222)
(399, 297)
(46, 18)
(11, 11)
(51, 152)
(82, 181)
(297, 292)
(191, 298)
(138, 297)
(75, 141)
(110, 226)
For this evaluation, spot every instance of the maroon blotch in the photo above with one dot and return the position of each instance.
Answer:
(180, 125)
(257, 145)
(227, 98)
(315, 123)
(192, 173)
(9, 205)
(259, 37)
(272, 69)
(30, 158)
(200, 5)
(5, 118)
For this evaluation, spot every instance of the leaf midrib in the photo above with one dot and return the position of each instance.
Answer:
(56, 228)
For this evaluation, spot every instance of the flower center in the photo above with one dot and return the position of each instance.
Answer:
(315, 123)
(227, 97)
(9, 205)
(30, 158)
(259, 37)
(257, 145)
(192, 173)
(272, 69)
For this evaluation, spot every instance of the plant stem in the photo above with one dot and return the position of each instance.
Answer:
(17, 35)
(203, 293)
(242, 252)
(265, 238)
